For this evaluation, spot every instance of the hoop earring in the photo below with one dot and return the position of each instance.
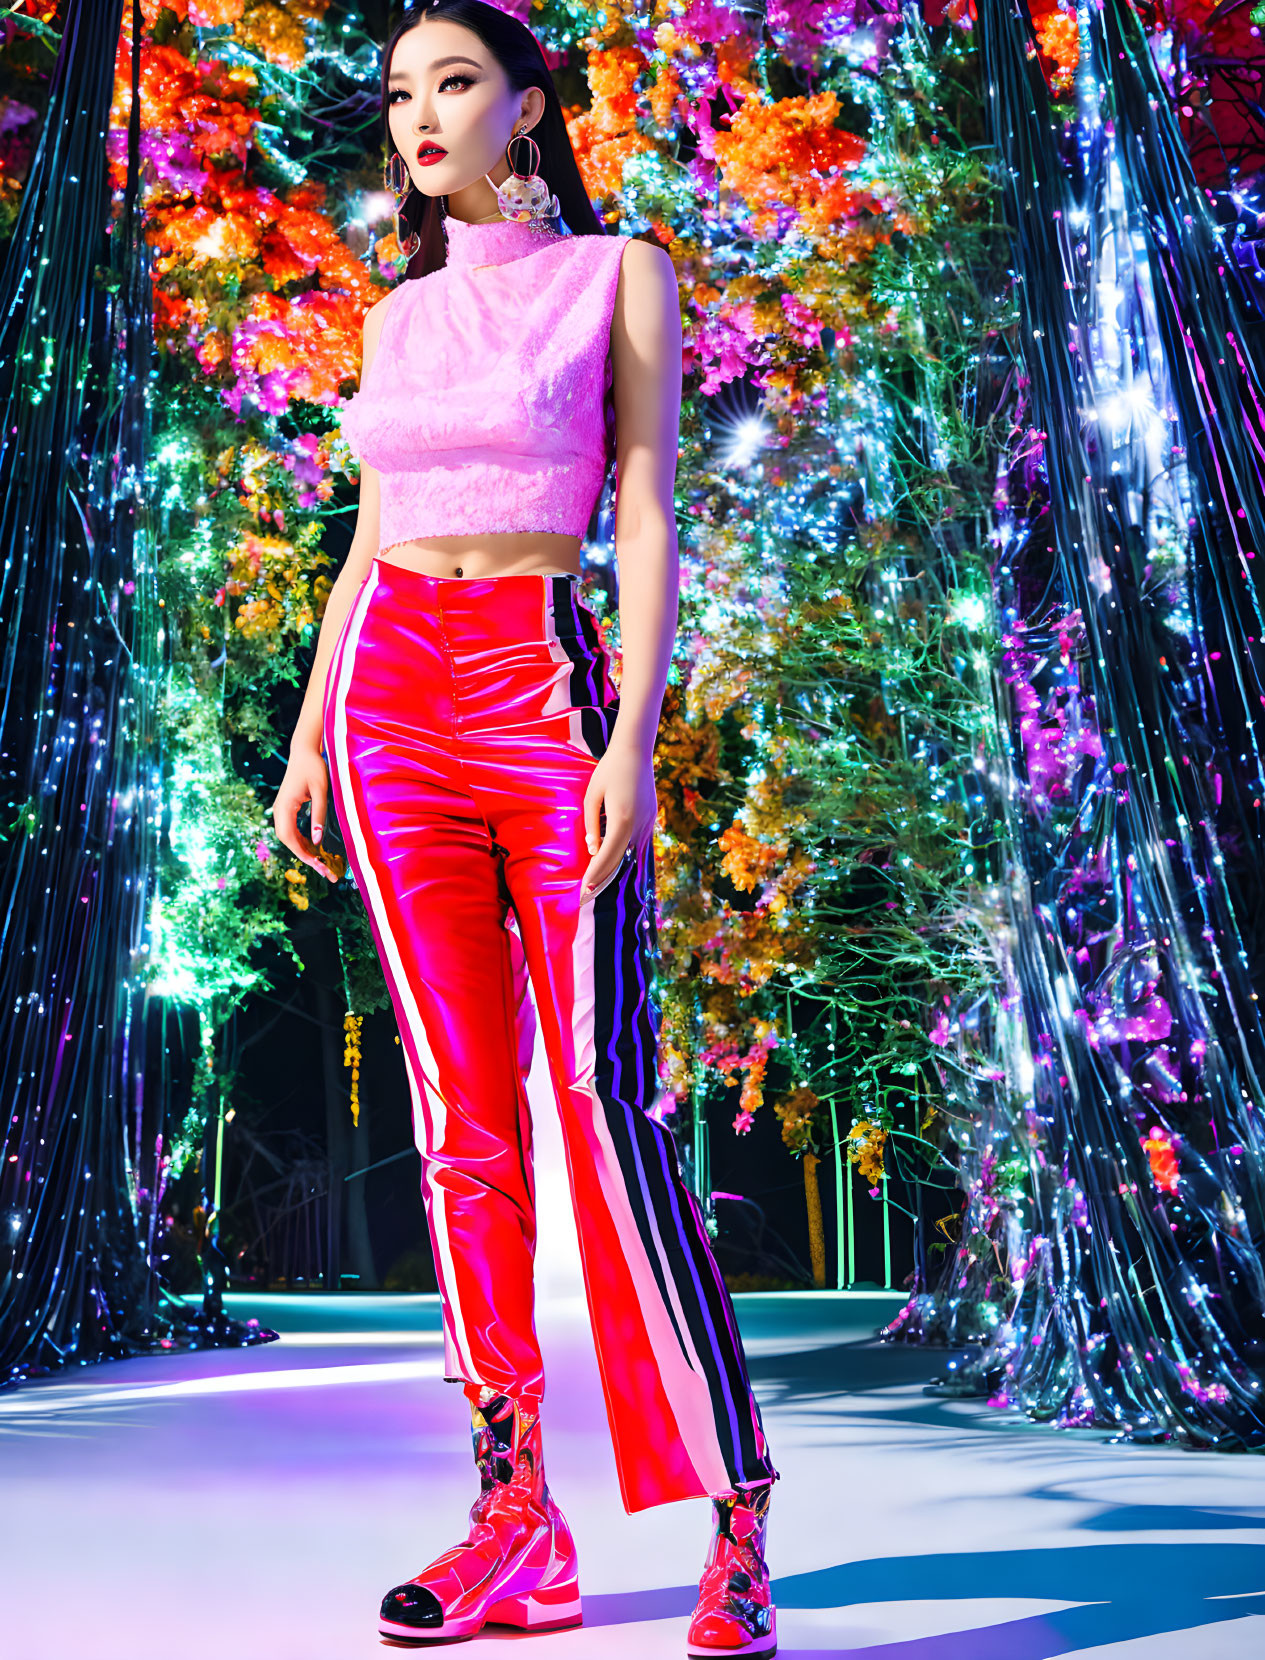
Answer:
(526, 197)
(395, 178)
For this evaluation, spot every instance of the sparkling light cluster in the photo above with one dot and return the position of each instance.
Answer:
(1129, 515)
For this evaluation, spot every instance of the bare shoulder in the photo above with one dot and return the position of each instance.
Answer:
(647, 267)
(375, 314)
(647, 300)
(372, 329)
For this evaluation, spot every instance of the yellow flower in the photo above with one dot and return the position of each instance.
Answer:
(276, 31)
(296, 892)
(797, 1110)
(351, 1057)
(867, 1152)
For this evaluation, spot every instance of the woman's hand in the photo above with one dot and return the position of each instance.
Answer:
(306, 779)
(621, 787)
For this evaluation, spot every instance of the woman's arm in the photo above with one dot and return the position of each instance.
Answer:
(646, 364)
(306, 775)
(364, 544)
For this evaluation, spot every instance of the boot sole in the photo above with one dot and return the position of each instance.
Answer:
(765, 1645)
(548, 1609)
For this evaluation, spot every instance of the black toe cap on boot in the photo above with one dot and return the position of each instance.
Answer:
(413, 1605)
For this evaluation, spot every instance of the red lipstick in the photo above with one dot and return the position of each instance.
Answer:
(429, 153)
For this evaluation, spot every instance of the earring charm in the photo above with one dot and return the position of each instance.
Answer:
(525, 198)
(395, 178)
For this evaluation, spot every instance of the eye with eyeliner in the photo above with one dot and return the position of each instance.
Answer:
(466, 80)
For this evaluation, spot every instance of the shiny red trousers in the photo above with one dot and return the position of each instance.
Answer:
(462, 722)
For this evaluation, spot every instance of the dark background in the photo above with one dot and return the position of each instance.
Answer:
(291, 1129)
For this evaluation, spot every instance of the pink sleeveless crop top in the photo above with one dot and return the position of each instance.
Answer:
(487, 403)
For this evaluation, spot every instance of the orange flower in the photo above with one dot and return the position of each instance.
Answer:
(319, 338)
(605, 136)
(215, 14)
(797, 1110)
(733, 60)
(202, 103)
(191, 235)
(866, 1144)
(171, 311)
(790, 152)
(612, 77)
(602, 160)
(747, 862)
(1059, 37)
(752, 1097)
(664, 94)
(1162, 1156)
(212, 350)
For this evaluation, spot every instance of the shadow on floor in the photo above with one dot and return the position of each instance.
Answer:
(1131, 1591)
(855, 1366)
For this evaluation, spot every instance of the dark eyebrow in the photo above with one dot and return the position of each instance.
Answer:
(439, 63)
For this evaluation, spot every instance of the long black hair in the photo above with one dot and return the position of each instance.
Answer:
(518, 52)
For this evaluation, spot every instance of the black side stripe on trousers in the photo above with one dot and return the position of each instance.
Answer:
(626, 1083)
(626, 1033)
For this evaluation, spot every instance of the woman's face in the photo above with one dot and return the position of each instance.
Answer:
(448, 93)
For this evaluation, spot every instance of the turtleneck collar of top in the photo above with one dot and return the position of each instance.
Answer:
(495, 242)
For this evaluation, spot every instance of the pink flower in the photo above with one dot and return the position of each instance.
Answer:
(743, 1122)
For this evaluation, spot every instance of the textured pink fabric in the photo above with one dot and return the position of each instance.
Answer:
(484, 408)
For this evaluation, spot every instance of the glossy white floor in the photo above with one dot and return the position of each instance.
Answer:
(256, 1504)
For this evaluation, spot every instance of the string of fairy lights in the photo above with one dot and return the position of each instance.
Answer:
(81, 796)
(1137, 1286)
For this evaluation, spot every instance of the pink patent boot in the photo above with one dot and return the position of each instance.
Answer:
(517, 1566)
(735, 1613)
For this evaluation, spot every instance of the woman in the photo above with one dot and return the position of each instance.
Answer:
(497, 801)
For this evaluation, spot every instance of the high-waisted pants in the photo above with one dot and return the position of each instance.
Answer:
(462, 722)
